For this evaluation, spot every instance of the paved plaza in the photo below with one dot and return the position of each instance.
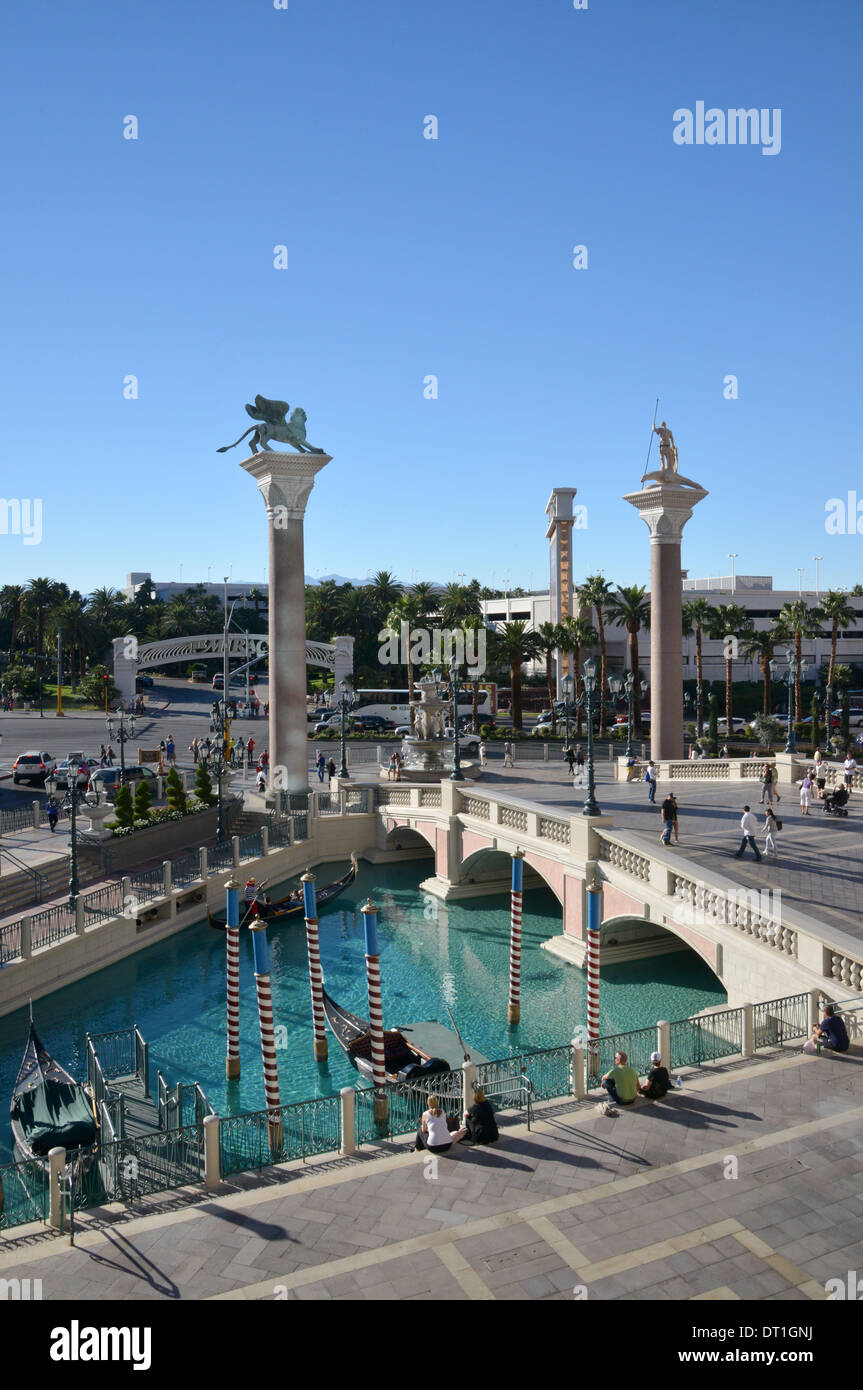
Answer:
(746, 1184)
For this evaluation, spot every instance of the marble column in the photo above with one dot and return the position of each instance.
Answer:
(666, 507)
(285, 481)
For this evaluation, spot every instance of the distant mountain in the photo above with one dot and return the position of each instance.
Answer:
(357, 583)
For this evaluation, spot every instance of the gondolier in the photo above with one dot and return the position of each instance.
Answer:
(283, 909)
(257, 901)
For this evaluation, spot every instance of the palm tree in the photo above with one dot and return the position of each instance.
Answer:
(795, 621)
(384, 590)
(39, 598)
(836, 607)
(457, 602)
(427, 594)
(406, 609)
(595, 593)
(730, 622)
(760, 646)
(515, 645)
(69, 621)
(11, 602)
(576, 634)
(631, 609)
(697, 617)
(549, 637)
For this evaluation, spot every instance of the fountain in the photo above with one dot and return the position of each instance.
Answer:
(427, 754)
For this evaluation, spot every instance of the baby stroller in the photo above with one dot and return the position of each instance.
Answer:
(834, 802)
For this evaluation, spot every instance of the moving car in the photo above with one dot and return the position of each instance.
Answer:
(32, 767)
(738, 726)
(78, 767)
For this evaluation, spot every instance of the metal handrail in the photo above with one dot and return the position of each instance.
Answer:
(39, 879)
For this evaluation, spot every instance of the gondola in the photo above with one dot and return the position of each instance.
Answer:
(50, 1109)
(431, 1049)
(291, 905)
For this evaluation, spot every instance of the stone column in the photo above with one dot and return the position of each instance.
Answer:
(285, 481)
(666, 507)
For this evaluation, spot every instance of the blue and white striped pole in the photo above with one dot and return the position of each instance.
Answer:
(232, 970)
(376, 1017)
(316, 979)
(261, 949)
(594, 919)
(513, 1011)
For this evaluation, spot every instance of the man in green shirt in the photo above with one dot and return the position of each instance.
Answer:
(621, 1082)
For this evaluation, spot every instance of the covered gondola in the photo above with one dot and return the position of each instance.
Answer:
(291, 906)
(49, 1109)
(429, 1050)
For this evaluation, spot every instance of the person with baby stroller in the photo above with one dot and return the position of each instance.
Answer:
(834, 803)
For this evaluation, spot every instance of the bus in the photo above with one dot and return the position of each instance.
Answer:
(393, 704)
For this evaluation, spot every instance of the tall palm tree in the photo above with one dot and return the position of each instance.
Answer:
(39, 598)
(631, 609)
(595, 593)
(836, 607)
(427, 594)
(406, 609)
(697, 616)
(68, 620)
(384, 590)
(11, 603)
(577, 634)
(795, 621)
(760, 646)
(730, 622)
(457, 602)
(515, 645)
(549, 637)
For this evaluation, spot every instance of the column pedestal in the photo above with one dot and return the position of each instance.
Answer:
(666, 507)
(285, 482)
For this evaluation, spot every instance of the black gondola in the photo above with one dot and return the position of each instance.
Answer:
(291, 905)
(404, 1060)
(50, 1109)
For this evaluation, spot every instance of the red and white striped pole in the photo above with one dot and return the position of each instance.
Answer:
(316, 979)
(275, 1129)
(232, 978)
(594, 918)
(376, 1018)
(513, 1010)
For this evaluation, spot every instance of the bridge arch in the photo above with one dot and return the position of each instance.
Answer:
(132, 656)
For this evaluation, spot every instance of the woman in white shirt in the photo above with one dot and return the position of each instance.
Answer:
(434, 1134)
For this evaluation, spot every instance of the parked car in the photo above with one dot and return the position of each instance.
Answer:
(105, 781)
(331, 721)
(372, 723)
(143, 682)
(738, 726)
(80, 768)
(198, 673)
(32, 767)
(468, 743)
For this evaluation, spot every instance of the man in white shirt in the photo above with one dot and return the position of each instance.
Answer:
(850, 769)
(748, 825)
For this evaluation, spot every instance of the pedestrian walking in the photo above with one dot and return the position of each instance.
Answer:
(110, 756)
(398, 767)
(650, 779)
(820, 773)
(771, 825)
(774, 774)
(805, 794)
(103, 756)
(850, 768)
(676, 831)
(52, 811)
(250, 750)
(331, 768)
(483, 755)
(321, 765)
(668, 814)
(391, 768)
(723, 752)
(195, 751)
(171, 750)
(631, 767)
(579, 757)
(507, 754)
(569, 755)
(767, 785)
(748, 826)
(240, 750)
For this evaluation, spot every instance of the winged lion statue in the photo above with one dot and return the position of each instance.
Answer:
(274, 425)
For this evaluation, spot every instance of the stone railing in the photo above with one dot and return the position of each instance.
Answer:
(430, 796)
(743, 908)
(512, 818)
(555, 830)
(695, 770)
(475, 806)
(629, 861)
(846, 971)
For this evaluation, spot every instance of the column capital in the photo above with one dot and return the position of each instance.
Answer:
(665, 508)
(285, 480)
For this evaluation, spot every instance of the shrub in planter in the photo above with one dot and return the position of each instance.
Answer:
(175, 791)
(143, 801)
(141, 824)
(485, 730)
(125, 811)
(204, 786)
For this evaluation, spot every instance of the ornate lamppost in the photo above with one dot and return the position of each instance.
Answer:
(629, 685)
(456, 775)
(568, 704)
(123, 738)
(218, 725)
(591, 807)
(345, 703)
(790, 677)
(74, 795)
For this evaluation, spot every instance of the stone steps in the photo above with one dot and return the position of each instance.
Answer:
(19, 889)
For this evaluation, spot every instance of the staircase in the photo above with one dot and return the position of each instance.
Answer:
(248, 820)
(21, 889)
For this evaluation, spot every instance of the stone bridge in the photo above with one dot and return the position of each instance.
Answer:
(652, 899)
(132, 656)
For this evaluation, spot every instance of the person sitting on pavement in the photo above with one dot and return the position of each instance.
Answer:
(479, 1120)
(621, 1083)
(434, 1132)
(831, 1031)
(658, 1082)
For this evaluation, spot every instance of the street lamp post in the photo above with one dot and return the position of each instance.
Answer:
(70, 802)
(456, 775)
(122, 738)
(591, 807)
(790, 678)
(217, 726)
(566, 686)
(344, 704)
(629, 685)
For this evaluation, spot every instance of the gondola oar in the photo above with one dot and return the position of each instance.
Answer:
(458, 1034)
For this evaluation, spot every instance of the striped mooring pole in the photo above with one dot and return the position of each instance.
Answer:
(376, 1018)
(275, 1129)
(232, 978)
(594, 917)
(513, 1010)
(316, 979)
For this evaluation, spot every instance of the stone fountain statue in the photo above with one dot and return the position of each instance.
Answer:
(428, 752)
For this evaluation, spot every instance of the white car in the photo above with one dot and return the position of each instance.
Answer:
(32, 767)
(84, 767)
(737, 725)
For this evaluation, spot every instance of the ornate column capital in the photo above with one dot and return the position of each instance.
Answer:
(665, 508)
(285, 480)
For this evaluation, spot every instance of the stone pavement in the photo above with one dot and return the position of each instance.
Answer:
(744, 1185)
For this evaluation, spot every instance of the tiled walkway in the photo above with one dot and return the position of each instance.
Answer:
(747, 1184)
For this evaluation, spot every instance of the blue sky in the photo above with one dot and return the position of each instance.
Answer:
(409, 257)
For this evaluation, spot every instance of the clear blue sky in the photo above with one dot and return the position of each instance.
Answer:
(408, 257)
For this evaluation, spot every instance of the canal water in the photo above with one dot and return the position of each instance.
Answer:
(432, 954)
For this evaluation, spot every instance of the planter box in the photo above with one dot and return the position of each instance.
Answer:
(156, 842)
